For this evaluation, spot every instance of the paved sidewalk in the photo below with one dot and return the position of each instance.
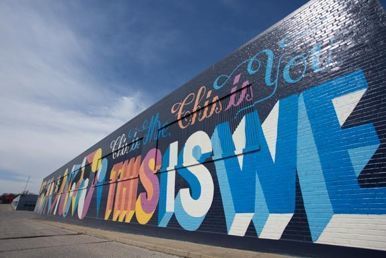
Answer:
(24, 234)
(168, 246)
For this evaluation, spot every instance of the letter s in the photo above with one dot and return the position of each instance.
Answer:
(147, 201)
(190, 210)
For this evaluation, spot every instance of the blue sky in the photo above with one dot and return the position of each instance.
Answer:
(73, 71)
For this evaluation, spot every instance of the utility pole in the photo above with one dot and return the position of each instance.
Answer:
(26, 184)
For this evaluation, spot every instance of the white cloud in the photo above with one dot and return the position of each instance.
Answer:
(51, 106)
(127, 106)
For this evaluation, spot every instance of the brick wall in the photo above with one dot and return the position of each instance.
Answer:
(284, 140)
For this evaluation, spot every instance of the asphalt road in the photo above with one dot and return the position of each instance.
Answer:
(22, 234)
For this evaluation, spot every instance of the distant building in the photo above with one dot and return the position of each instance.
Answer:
(25, 202)
(7, 197)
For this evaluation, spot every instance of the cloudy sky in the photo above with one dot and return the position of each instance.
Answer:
(73, 71)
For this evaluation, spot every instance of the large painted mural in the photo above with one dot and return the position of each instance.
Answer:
(284, 139)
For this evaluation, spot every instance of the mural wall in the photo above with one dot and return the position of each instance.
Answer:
(284, 139)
